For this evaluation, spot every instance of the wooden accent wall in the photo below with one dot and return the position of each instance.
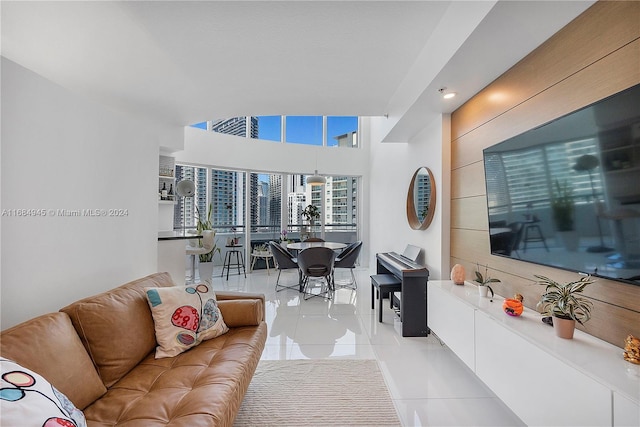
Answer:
(596, 55)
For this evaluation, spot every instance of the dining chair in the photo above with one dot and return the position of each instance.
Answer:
(284, 260)
(347, 259)
(317, 263)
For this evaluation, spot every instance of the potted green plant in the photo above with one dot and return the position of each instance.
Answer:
(484, 280)
(206, 260)
(562, 208)
(565, 304)
(311, 213)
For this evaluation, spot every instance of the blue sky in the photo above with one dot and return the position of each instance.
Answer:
(303, 129)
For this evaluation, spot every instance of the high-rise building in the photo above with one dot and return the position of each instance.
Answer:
(275, 199)
(340, 200)
(349, 139)
(235, 126)
(226, 195)
(263, 203)
(220, 181)
(341, 192)
(185, 212)
(296, 203)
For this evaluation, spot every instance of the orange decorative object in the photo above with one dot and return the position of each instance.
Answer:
(457, 274)
(513, 306)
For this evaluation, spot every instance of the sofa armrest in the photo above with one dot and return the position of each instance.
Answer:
(242, 312)
(225, 295)
(231, 295)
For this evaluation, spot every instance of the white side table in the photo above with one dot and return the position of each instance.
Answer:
(266, 255)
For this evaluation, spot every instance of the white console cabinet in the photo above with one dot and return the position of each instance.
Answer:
(545, 380)
(453, 319)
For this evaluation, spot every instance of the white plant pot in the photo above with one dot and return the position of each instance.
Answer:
(206, 271)
(483, 291)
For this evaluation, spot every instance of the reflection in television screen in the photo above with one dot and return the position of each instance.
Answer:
(567, 194)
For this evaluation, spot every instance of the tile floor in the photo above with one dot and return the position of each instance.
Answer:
(429, 385)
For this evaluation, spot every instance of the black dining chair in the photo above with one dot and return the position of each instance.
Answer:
(284, 261)
(347, 259)
(317, 263)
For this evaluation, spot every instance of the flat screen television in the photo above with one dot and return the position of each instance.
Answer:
(567, 194)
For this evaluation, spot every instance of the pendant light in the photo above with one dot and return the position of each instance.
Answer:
(316, 179)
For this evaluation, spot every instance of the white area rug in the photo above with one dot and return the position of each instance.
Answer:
(317, 393)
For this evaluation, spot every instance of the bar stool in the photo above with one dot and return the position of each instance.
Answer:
(533, 233)
(233, 250)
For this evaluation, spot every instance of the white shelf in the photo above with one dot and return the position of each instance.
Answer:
(166, 176)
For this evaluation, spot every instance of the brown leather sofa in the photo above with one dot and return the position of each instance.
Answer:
(99, 352)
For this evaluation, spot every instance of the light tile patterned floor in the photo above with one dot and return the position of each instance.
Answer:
(430, 386)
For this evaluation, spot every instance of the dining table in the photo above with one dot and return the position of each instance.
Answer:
(299, 246)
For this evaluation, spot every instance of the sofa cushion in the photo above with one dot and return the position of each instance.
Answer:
(49, 345)
(184, 316)
(203, 386)
(26, 398)
(116, 326)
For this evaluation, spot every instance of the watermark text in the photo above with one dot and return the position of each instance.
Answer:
(50, 212)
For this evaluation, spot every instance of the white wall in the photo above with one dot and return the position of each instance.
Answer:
(233, 152)
(62, 151)
(392, 166)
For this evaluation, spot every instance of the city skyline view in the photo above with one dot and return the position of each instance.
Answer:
(225, 190)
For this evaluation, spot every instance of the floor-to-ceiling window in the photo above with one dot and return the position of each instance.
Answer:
(259, 205)
(224, 193)
(187, 209)
(266, 224)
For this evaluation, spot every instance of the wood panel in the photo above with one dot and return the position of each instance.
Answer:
(600, 30)
(613, 322)
(612, 74)
(468, 181)
(470, 245)
(595, 56)
(470, 212)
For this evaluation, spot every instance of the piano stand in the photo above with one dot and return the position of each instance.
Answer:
(412, 298)
(384, 283)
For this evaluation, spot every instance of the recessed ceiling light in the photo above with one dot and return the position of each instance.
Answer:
(446, 94)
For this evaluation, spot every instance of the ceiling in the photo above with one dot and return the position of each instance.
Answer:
(184, 62)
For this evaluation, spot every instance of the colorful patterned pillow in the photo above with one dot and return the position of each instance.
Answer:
(184, 316)
(27, 399)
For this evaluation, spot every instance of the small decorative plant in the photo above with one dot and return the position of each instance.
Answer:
(563, 300)
(283, 236)
(261, 248)
(484, 280)
(311, 213)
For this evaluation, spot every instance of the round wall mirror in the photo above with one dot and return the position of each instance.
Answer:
(421, 199)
